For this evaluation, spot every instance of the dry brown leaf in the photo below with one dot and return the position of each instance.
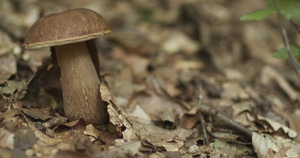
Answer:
(41, 136)
(268, 74)
(234, 149)
(277, 126)
(72, 123)
(38, 114)
(8, 66)
(233, 91)
(266, 146)
(141, 114)
(189, 121)
(154, 100)
(6, 139)
(10, 119)
(179, 42)
(160, 138)
(91, 131)
(130, 149)
(169, 145)
(55, 121)
(24, 139)
(234, 74)
(241, 113)
(116, 115)
(14, 90)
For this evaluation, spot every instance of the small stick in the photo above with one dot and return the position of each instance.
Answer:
(232, 124)
(202, 121)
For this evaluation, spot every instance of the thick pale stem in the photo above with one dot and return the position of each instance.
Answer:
(80, 84)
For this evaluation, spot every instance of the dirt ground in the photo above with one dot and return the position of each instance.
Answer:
(180, 79)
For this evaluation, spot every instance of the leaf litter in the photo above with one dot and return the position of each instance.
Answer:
(153, 64)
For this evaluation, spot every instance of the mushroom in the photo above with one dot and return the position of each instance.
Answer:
(68, 32)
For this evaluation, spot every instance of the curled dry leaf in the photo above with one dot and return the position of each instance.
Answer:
(91, 131)
(190, 120)
(41, 136)
(38, 114)
(277, 126)
(154, 137)
(55, 121)
(266, 146)
(116, 115)
(14, 90)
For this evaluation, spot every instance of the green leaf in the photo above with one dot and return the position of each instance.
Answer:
(258, 15)
(290, 9)
(217, 144)
(282, 53)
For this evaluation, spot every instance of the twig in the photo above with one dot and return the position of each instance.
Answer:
(202, 121)
(232, 124)
(286, 40)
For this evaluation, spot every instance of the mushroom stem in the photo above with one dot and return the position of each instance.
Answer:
(80, 84)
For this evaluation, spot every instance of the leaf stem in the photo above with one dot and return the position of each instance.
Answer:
(286, 40)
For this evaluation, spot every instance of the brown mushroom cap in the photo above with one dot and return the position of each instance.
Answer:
(67, 27)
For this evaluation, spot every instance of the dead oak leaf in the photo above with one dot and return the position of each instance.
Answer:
(116, 115)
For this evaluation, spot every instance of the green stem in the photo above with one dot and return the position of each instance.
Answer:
(286, 40)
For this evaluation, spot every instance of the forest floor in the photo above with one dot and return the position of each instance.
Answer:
(184, 78)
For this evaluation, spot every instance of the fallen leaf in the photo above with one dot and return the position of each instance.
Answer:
(277, 126)
(233, 91)
(14, 90)
(130, 149)
(38, 114)
(10, 119)
(189, 121)
(269, 74)
(8, 67)
(6, 139)
(155, 100)
(41, 136)
(24, 139)
(179, 42)
(116, 115)
(140, 114)
(91, 131)
(265, 146)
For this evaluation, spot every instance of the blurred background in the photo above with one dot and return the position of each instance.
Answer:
(162, 50)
